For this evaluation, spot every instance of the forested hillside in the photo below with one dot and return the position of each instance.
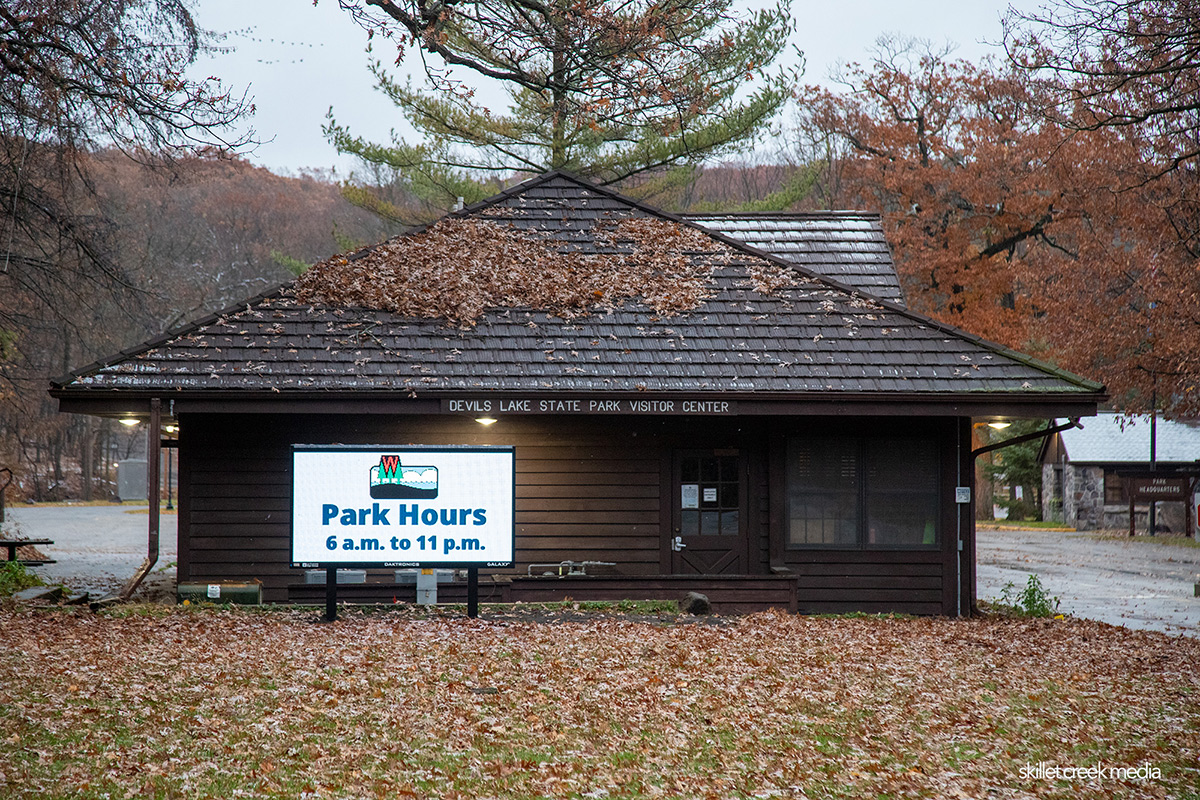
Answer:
(188, 237)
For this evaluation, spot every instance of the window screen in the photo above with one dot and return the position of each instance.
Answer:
(857, 492)
(822, 497)
(902, 492)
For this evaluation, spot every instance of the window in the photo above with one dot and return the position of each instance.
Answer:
(852, 492)
(822, 477)
(902, 492)
(1114, 488)
(709, 495)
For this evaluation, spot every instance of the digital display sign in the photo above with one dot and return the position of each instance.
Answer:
(412, 506)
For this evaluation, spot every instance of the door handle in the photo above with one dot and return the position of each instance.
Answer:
(677, 544)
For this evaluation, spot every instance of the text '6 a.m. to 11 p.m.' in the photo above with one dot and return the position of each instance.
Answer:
(427, 544)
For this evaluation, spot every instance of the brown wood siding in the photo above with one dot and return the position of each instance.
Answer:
(387, 592)
(183, 501)
(837, 581)
(732, 594)
(728, 595)
(588, 489)
(874, 580)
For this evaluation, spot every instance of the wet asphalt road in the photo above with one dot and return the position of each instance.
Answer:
(98, 548)
(1139, 584)
(1142, 583)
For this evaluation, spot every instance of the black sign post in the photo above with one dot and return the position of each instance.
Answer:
(473, 592)
(331, 594)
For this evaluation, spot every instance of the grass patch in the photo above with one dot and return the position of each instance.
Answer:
(1022, 525)
(14, 577)
(261, 702)
(636, 607)
(1166, 539)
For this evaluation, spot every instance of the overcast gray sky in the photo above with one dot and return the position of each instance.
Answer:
(298, 60)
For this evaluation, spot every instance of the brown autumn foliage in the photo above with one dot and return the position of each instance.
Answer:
(1047, 239)
(205, 232)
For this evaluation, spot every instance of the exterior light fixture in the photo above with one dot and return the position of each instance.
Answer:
(999, 425)
(485, 421)
(129, 422)
(171, 428)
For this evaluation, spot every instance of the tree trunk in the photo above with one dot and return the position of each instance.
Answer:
(558, 100)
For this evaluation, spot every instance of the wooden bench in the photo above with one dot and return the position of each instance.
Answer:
(13, 544)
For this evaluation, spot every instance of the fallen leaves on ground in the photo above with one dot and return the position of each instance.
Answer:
(212, 703)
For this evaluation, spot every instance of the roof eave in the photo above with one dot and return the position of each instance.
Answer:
(113, 402)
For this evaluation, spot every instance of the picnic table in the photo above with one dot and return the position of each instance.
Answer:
(13, 544)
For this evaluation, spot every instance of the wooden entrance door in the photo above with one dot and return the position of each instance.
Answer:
(708, 531)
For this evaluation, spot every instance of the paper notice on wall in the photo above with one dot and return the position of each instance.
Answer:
(689, 495)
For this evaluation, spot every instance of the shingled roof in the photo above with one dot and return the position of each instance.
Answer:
(848, 246)
(1118, 439)
(816, 338)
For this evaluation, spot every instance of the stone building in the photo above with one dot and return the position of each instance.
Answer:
(1085, 470)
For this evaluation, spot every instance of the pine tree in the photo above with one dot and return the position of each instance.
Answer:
(604, 88)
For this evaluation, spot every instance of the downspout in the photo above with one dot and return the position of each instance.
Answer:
(153, 465)
(958, 514)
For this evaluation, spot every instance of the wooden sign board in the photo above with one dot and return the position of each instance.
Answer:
(1148, 486)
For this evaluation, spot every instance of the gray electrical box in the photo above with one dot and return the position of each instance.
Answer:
(427, 581)
(343, 576)
(409, 576)
(131, 479)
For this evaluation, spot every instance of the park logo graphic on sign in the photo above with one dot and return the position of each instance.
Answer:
(392, 480)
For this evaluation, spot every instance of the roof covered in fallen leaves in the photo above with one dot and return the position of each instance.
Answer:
(559, 285)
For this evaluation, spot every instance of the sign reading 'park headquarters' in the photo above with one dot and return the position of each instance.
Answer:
(372, 506)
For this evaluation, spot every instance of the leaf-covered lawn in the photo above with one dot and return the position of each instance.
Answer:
(219, 703)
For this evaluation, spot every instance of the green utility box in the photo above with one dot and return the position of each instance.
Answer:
(246, 594)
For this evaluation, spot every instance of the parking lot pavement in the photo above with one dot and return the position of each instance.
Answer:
(97, 548)
(1142, 584)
